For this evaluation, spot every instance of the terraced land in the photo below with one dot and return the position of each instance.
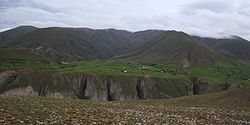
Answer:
(45, 110)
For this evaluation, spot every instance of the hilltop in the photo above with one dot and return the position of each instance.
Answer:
(15, 33)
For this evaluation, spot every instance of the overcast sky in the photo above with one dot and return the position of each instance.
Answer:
(212, 18)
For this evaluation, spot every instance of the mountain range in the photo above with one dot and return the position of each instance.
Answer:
(69, 44)
(111, 64)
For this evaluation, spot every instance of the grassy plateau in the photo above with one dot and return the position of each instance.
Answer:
(221, 71)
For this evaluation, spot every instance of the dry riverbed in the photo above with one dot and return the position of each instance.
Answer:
(41, 110)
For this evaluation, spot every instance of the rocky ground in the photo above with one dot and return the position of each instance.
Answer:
(41, 110)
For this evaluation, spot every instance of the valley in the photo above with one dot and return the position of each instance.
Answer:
(110, 64)
(113, 79)
(109, 76)
(124, 62)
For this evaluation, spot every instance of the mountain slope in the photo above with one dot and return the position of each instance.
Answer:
(58, 44)
(67, 44)
(13, 34)
(73, 43)
(234, 97)
(174, 47)
(19, 54)
(236, 48)
(141, 37)
(111, 41)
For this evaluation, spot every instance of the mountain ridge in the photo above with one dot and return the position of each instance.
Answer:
(236, 48)
(76, 43)
(14, 33)
(68, 44)
(174, 47)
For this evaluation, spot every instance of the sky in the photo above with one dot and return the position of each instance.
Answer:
(207, 18)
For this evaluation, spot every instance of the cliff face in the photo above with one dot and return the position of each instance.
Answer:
(110, 88)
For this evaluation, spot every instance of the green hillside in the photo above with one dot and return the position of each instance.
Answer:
(58, 44)
(20, 58)
(174, 47)
(19, 54)
(235, 48)
(67, 44)
(15, 33)
(139, 38)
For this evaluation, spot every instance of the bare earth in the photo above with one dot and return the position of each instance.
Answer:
(44, 110)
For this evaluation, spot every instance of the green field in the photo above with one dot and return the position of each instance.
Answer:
(221, 71)
(161, 80)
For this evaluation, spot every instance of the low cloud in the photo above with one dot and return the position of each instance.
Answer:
(210, 18)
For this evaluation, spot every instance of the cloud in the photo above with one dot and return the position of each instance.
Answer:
(203, 20)
(209, 18)
(214, 6)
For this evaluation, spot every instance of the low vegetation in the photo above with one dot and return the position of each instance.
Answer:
(45, 110)
(22, 59)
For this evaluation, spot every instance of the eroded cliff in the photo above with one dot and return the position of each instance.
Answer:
(101, 87)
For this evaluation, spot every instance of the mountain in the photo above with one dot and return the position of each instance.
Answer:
(58, 44)
(70, 43)
(235, 47)
(141, 37)
(24, 64)
(13, 34)
(67, 44)
(173, 47)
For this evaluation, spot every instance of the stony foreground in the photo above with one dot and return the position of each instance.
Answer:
(40, 110)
